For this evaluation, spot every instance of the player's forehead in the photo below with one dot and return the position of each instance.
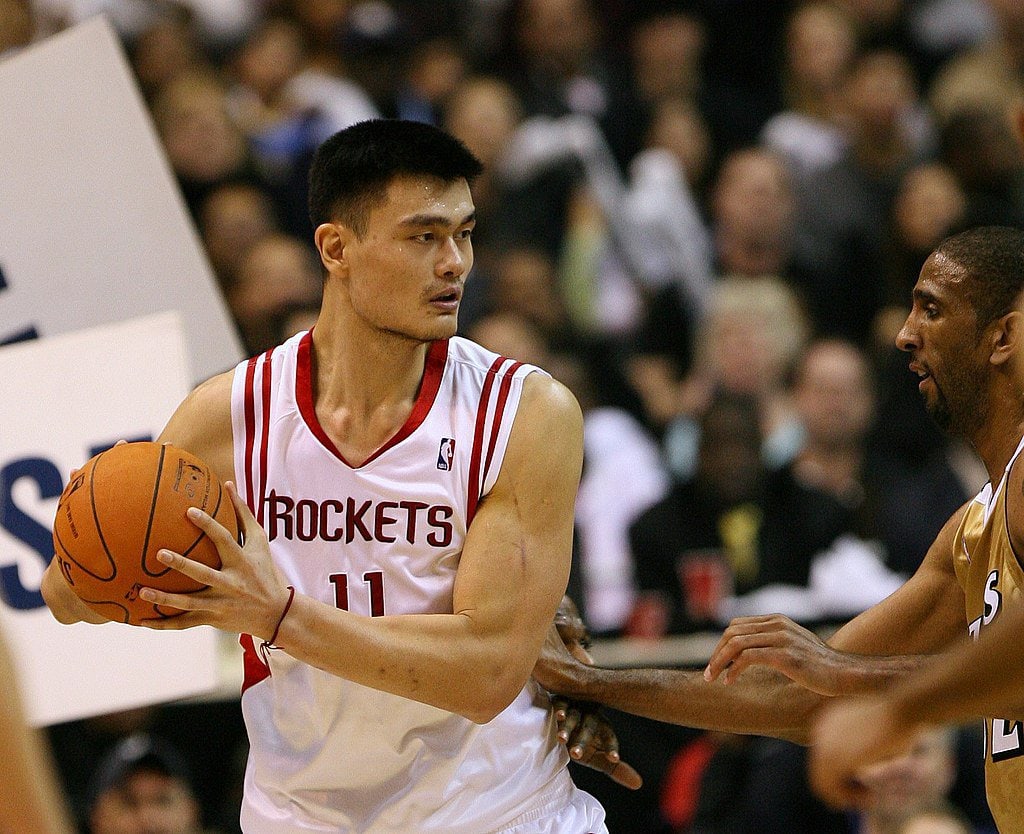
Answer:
(426, 200)
(941, 279)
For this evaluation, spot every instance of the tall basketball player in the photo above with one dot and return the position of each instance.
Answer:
(769, 676)
(407, 505)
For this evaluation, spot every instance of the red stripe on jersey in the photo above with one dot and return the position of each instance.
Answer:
(473, 491)
(433, 370)
(253, 669)
(499, 410)
(264, 435)
(250, 430)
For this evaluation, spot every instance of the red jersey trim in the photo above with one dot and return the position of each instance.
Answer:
(437, 356)
(264, 435)
(499, 413)
(254, 670)
(474, 486)
(250, 431)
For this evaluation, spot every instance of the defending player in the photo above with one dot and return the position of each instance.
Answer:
(768, 675)
(407, 516)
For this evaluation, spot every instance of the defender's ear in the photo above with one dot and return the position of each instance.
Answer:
(1007, 339)
(330, 243)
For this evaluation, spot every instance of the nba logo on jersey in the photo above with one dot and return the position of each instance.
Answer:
(446, 453)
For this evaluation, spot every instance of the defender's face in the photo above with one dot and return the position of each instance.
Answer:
(407, 273)
(947, 353)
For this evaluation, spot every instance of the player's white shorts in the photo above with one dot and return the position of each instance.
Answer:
(578, 813)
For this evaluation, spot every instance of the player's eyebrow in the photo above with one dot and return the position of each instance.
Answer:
(925, 297)
(436, 220)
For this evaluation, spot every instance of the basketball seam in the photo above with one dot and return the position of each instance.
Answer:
(96, 515)
(152, 512)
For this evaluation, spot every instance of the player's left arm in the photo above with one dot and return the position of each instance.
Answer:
(512, 574)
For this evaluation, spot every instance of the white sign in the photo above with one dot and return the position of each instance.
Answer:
(65, 399)
(94, 228)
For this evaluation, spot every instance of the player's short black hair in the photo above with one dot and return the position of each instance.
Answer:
(352, 169)
(993, 258)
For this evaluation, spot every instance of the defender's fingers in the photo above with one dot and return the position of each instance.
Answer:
(583, 738)
(626, 775)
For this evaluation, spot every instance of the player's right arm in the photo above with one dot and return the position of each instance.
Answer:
(200, 425)
(792, 672)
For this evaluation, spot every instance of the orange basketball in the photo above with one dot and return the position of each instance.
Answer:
(120, 510)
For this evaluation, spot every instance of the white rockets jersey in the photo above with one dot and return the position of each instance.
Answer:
(385, 537)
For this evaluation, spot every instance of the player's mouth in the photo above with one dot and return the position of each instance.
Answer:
(923, 375)
(448, 300)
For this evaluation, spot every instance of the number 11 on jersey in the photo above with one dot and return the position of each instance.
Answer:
(374, 580)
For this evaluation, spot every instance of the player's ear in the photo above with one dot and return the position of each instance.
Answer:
(330, 240)
(1008, 339)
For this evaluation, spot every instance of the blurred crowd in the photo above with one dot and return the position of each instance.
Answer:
(703, 216)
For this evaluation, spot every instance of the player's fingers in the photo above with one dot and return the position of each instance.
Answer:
(176, 623)
(221, 537)
(182, 602)
(247, 521)
(191, 568)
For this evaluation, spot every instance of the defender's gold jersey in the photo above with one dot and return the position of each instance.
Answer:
(990, 573)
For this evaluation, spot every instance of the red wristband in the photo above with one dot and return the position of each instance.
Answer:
(287, 606)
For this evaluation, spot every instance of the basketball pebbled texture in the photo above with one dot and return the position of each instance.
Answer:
(120, 510)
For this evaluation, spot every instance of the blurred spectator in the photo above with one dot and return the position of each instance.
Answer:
(919, 778)
(980, 148)
(754, 785)
(753, 333)
(232, 219)
(666, 50)
(278, 273)
(820, 45)
(845, 208)
(753, 211)
(435, 69)
(164, 50)
(203, 144)
(988, 77)
(143, 786)
(558, 67)
(733, 527)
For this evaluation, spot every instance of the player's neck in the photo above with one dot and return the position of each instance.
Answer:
(997, 439)
(363, 372)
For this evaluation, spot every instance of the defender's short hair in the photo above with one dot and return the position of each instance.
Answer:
(993, 258)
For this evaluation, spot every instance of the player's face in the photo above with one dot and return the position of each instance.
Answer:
(407, 273)
(947, 353)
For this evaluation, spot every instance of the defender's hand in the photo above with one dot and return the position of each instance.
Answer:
(592, 741)
(776, 641)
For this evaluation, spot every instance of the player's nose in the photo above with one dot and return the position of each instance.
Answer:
(451, 262)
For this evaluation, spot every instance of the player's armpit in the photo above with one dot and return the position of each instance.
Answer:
(202, 425)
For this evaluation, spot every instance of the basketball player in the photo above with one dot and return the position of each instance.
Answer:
(406, 499)
(965, 337)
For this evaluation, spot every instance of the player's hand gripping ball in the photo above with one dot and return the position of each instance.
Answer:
(120, 510)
